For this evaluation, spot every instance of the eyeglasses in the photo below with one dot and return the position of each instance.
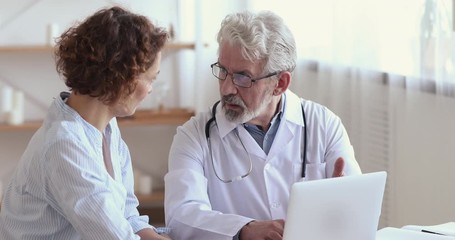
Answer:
(238, 79)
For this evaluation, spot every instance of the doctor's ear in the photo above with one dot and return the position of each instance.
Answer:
(284, 79)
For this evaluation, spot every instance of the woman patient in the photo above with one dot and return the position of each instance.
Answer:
(75, 180)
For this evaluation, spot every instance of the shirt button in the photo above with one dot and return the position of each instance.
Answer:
(267, 166)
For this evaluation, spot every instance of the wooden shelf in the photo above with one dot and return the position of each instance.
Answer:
(31, 125)
(170, 116)
(25, 49)
(47, 48)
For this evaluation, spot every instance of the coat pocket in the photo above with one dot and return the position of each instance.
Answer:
(315, 171)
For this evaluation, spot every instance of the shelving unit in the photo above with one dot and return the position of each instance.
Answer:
(143, 117)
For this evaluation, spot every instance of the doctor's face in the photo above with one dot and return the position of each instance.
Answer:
(243, 104)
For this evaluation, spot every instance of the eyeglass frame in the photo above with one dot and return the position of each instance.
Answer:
(234, 81)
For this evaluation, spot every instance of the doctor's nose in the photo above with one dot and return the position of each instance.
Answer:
(227, 86)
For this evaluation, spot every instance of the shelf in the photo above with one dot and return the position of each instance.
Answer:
(46, 48)
(31, 125)
(25, 49)
(170, 116)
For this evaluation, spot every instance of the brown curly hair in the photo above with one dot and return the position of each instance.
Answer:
(103, 56)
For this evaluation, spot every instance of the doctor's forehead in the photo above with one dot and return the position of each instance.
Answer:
(232, 60)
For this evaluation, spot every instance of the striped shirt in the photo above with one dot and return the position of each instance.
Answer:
(61, 189)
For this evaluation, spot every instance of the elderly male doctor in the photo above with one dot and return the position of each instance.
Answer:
(231, 168)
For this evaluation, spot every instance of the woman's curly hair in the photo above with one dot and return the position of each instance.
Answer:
(103, 56)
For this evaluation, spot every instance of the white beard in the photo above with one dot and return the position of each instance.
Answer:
(247, 114)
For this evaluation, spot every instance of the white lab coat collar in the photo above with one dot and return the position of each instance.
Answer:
(224, 126)
(292, 102)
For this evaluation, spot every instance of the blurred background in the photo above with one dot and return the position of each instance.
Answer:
(385, 67)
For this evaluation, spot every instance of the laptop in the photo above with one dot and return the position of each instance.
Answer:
(344, 208)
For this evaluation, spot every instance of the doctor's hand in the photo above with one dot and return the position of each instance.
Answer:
(338, 170)
(263, 230)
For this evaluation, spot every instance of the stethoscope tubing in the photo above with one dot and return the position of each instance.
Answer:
(213, 119)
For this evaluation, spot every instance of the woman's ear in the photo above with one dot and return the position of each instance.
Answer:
(284, 79)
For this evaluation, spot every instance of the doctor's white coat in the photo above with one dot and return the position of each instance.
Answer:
(200, 206)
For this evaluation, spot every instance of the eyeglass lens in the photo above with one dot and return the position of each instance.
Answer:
(238, 79)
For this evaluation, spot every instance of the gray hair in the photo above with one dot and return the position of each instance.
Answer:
(261, 36)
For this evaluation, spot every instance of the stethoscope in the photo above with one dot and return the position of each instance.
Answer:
(207, 136)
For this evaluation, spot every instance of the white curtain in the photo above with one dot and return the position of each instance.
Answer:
(411, 38)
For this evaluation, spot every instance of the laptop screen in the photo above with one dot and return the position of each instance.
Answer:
(344, 208)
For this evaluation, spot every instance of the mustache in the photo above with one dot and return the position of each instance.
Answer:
(232, 99)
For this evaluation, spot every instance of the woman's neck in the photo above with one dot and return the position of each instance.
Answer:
(91, 110)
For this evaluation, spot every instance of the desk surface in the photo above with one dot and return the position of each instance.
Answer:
(390, 233)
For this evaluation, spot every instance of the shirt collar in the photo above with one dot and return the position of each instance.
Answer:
(72, 114)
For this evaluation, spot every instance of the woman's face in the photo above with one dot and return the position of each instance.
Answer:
(127, 105)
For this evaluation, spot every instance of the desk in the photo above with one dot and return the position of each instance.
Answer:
(390, 233)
